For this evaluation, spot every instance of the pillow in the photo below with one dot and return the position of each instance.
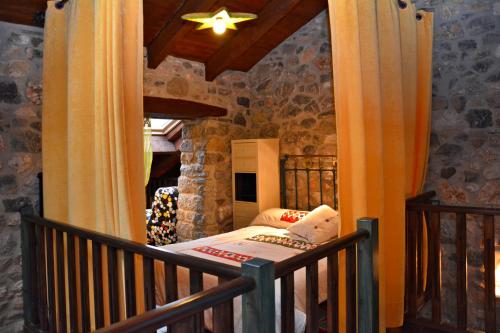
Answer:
(320, 225)
(278, 218)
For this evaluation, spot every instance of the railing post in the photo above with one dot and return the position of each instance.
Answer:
(28, 271)
(259, 312)
(283, 181)
(368, 291)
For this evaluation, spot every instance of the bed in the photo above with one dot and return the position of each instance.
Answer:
(268, 237)
(235, 247)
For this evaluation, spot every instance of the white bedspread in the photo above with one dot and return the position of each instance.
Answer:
(237, 242)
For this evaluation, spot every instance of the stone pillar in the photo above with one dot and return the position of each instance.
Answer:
(205, 204)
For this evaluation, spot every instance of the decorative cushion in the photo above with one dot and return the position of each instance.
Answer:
(162, 219)
(320, 225)
(278, 218)
(293, 216)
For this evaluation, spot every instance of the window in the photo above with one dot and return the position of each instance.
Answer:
(162, 126)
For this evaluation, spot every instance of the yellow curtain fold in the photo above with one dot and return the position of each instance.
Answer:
(93, 116)
(92, 120)
(424, 100)
(148, 150)
(377, 80)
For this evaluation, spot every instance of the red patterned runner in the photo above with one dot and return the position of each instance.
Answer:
(223, 254)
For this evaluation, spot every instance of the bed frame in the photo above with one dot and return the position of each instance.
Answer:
(61, 263)
(309, 169)
(423, 286)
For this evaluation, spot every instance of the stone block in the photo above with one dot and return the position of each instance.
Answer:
(479, 118)
(9, 92)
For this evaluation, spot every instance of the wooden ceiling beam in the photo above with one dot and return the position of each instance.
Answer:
(175, 133)
(164, 164)
(234, 48)
(22, 11)
(162, 44)
(180, 109)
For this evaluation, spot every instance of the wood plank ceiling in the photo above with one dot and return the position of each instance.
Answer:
(165, 33)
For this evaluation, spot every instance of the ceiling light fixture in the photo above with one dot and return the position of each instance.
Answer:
(219, 21)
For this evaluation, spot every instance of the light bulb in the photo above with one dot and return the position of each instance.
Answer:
(219, 26)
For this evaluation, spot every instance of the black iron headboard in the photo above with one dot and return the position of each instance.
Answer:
(308, 181)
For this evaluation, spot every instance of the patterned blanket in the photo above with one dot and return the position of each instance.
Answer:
(238, 257)
(284, 241)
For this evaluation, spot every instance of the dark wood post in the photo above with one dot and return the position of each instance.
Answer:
(283, 181)
(368, 290)
(259, 312)
(29, 272)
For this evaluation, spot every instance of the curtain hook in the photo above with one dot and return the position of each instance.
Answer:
(60, 4)
(402, 4)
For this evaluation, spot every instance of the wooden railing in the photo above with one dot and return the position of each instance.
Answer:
(425, 285)
(51, 251)
(58, 285)
(361, 250)
(179, 315)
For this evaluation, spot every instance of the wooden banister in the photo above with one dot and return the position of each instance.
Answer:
(207, 266)
(473, 210)
(290, 265)
(183, 308)
(461, 248)
(422, 197)
(259, 312)
(368, 282)
(489, 273)
(362, 285)
(52, 252)
(420, 213)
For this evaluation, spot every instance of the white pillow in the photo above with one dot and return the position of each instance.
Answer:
(320, 225)
(279, 218)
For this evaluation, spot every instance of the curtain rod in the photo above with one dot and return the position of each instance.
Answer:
(403, 4)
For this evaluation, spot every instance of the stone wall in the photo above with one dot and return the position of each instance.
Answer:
(287, 95)
(20, 158)
(292, 99)
(292, 93)
(464, 164)
(205, 204)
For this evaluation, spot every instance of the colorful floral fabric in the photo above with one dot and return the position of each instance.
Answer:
(162, 219)
(293, 216)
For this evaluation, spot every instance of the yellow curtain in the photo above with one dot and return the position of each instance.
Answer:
(148, 150)
(370, 40)
(93, 117)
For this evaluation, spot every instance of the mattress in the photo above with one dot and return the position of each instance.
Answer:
(234, 247)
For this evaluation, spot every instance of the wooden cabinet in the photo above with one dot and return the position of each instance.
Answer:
(255, 171)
